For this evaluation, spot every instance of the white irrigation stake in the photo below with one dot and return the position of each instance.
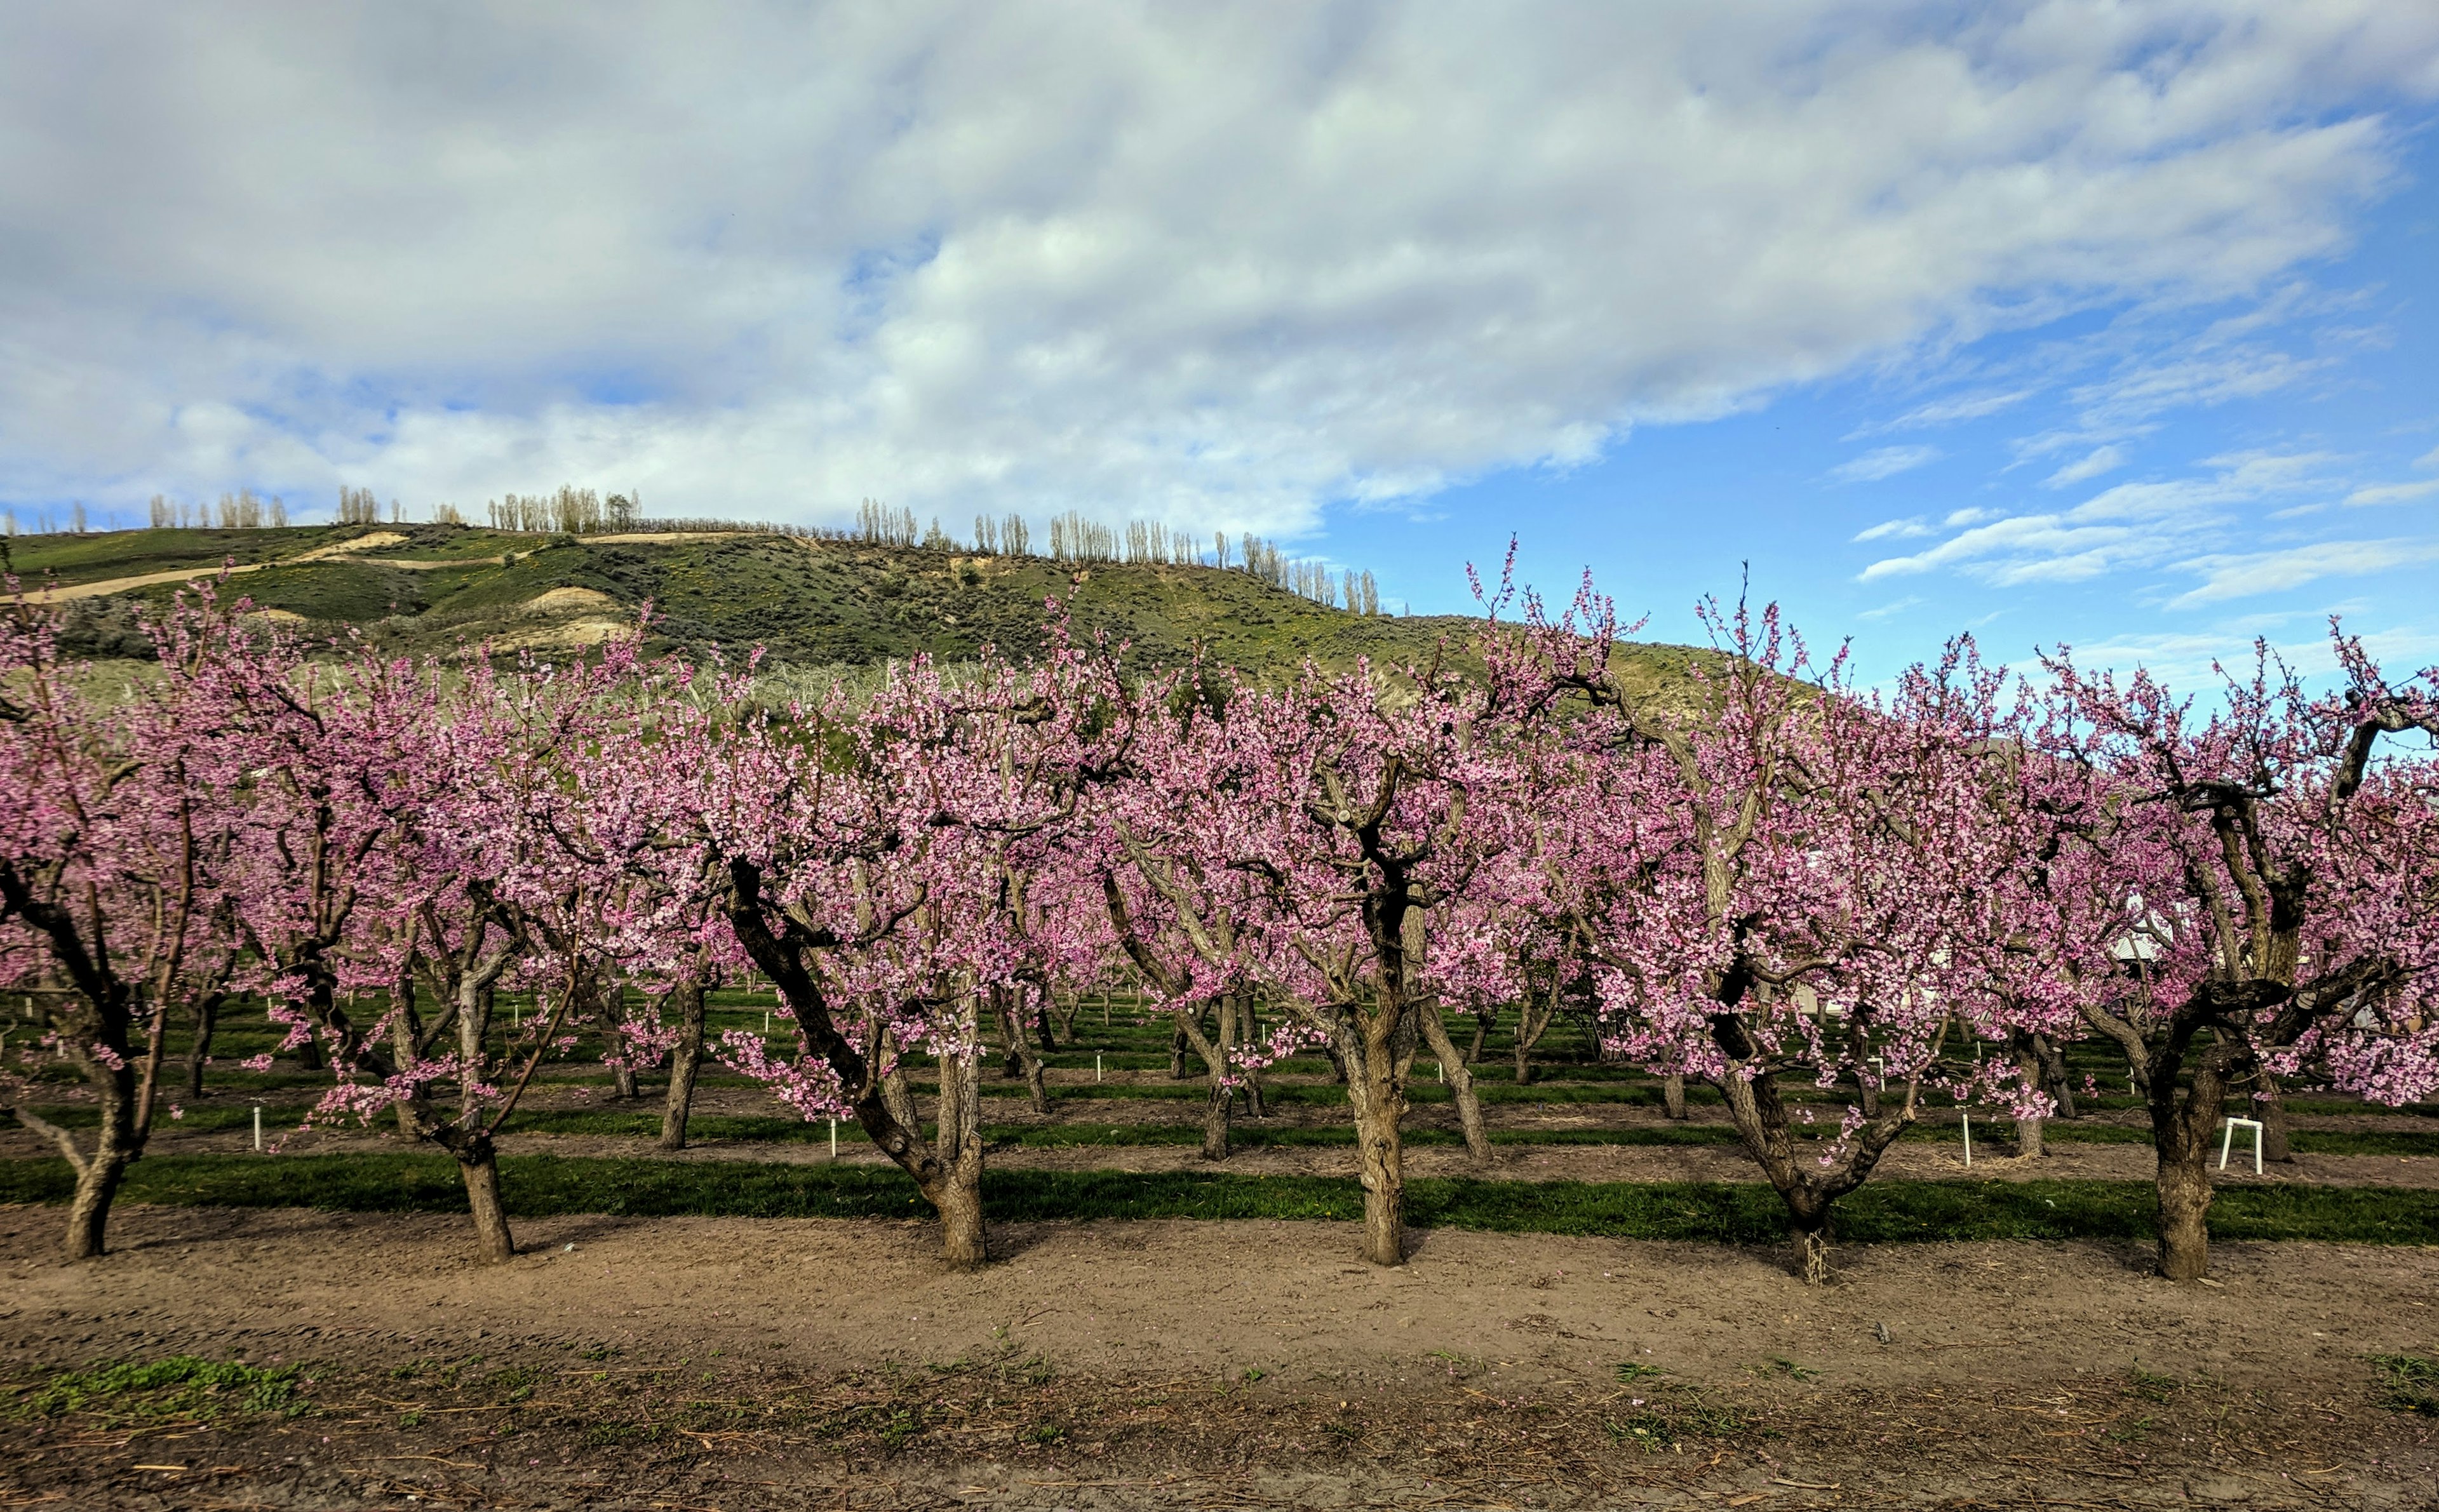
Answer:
(258, 1129)
(1968, 1141)
(2227, 1140)
(833, 1139)
(1097, 1065)
(766, 1021)
(1442, 1067)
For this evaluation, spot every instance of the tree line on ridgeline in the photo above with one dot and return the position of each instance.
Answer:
(1779, 878)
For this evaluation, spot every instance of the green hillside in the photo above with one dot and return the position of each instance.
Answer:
(808, 602)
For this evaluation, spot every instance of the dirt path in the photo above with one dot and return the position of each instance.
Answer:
(108, 586)
(1211, 1364)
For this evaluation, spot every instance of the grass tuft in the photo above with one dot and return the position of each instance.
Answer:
(178, 1386)
(2410, 1383)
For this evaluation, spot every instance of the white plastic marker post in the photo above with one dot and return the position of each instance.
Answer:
(1097, 1065)
(833, 1139)
(2227, 1140)
(1442, 1068)
(1968, 1141)
(258, 1129)
(766, 1021)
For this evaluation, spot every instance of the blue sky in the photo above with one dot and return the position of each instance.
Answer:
(2276, 455)
(2101, 321)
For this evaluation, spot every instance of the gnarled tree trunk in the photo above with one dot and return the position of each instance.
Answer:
(1376, 1064)
(2183, 1118)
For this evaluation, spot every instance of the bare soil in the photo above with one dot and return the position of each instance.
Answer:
(731, 1363)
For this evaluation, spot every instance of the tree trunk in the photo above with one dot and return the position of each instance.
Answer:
(1177, 1047)
(479, 1165)
(2270, 1106)
(2183, 1120)
(116, 1142)
(956, 1191)
(1481, 1036)
(1374, 1086)
(1460, 1080)
(309, 1055)
(685, 1059)
(1530, 1026)
(2054, 1077)
(1215, 1120)
(1043, 1039)
(89, 1209)
(207, 1019)
(1223, 1097)
(1672, 1097)
(622, 1082)
(1021, 1050)
(403, 1048)
(964, 1244)
(1248, 1029)
(2184, 1213)
(2028, 1129)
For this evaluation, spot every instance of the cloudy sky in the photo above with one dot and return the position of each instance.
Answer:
(2102, 322)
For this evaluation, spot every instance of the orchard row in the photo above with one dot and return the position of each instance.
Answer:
(1763, 879)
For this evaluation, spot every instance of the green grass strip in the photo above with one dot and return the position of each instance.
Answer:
(773, 1128)
(1721, 1212)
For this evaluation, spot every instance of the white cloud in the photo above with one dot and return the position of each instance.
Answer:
(1900, 529)
(1899, 607)
(1886, 462)
(2102, 459)
(2131, 524)
(1216, 265)
(1969, 516)
(2185, 659)
(2247, 574)
(2427, 459)
(2393, 492)
(1950, 410)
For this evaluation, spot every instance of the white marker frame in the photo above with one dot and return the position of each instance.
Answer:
(2227, 1141)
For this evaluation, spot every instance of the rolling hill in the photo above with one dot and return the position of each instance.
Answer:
(808, 602)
